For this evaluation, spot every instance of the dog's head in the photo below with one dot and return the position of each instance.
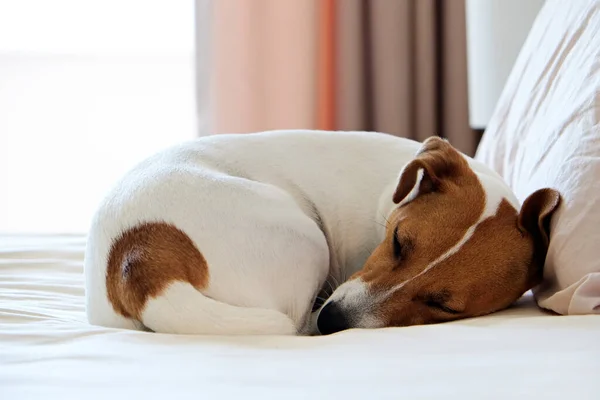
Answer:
(455, 247)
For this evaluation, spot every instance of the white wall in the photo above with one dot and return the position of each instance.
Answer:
(496, 31)
(87, 89)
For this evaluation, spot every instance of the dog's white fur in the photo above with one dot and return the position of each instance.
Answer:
(274, 214)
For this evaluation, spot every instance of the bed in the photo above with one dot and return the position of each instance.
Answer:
(48, 350)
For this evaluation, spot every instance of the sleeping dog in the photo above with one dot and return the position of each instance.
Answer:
(242, 234)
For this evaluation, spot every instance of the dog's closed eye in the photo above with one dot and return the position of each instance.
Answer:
(401, 247)
(396, 244)
(440, 306)
(439, 302)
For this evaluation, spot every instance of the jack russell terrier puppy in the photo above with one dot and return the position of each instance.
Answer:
(241, 233)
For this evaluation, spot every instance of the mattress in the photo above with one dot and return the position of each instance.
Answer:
(48, 350)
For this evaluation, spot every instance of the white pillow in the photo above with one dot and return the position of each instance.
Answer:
(545, 132)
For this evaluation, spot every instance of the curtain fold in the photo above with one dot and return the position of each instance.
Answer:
(263, 65)
(326, 84)
(397, 67)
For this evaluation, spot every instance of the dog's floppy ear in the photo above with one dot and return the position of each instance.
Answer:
(534, 219)
(435, 160)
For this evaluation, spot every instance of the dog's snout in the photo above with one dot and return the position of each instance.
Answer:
(331, 319)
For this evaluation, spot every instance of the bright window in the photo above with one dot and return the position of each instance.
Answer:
(87, 89)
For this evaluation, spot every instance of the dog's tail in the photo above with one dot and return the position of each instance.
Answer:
(156, 276)
(183, 309)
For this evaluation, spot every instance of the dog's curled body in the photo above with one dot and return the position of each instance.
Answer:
(237, 234)
(271, 216)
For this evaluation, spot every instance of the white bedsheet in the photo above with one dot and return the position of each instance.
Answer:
(47, 350)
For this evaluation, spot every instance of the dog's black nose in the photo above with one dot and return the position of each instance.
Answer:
(331, 319)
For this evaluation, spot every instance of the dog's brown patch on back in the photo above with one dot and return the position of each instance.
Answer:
(145, 259)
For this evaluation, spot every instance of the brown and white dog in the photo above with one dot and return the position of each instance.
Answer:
(240, 234)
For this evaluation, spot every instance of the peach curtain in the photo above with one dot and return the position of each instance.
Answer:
(263, 65)
(394, 66)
